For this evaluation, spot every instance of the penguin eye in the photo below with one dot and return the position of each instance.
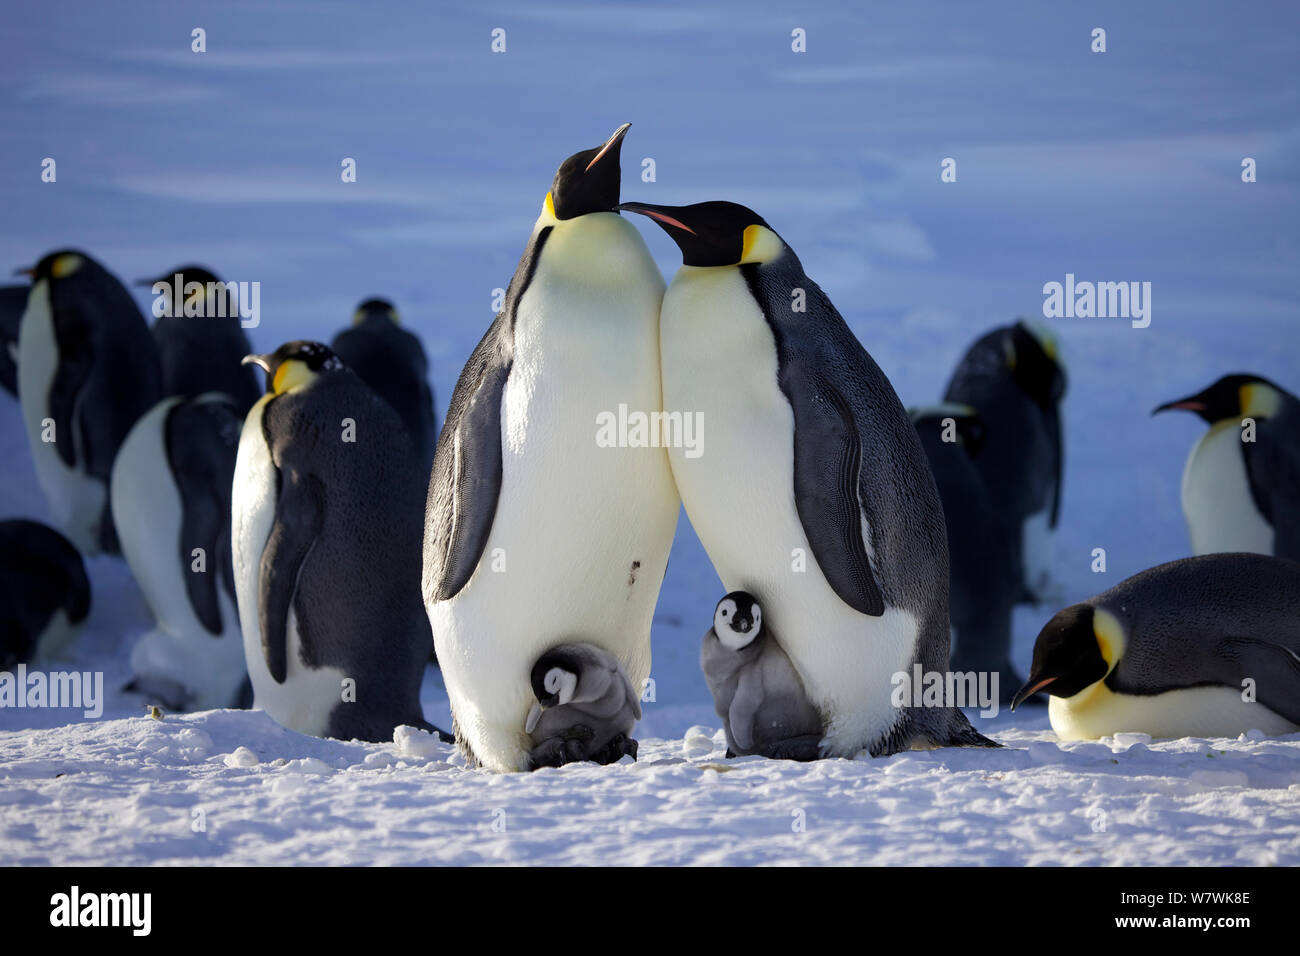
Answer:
(725, 612)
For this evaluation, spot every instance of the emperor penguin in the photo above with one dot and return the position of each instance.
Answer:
(44, 591)
(13, 302)
(171, 505)
(87, 370)
(585, 708)
(201, 340)
(756, 690)
(1241, 484)
(984, 579)
(1207, 646)
(391, 361)
(325, 532)
(1014, 377)
(811, 487)
(536, 532)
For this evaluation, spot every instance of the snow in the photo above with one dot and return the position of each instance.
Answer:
(1123, 166)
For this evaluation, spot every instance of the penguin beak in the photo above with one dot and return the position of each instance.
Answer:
(1031, 688)
(261, 361)
(29, 272)
(1189, 404)
(659, 214)
(610, 143)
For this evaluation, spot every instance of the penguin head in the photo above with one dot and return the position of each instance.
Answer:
(738, 620)
(1033, 357)
(555, 677)
(185, 275)
(1235, 396)
(295, 365)
(1077, 648)
(715, 233)
(61, 264)
(969, 429)
(380, 309)
(588, 181)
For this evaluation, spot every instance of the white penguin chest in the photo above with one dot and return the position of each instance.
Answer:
(76, 500)
(720, 361)
(1217, 501)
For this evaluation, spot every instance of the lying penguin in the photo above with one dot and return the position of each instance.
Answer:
(585, 709)
(44, 591)
(756, 690)
(1201, 647)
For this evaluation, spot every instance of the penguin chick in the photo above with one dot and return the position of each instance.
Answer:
(585, 708)
(756, 690)
(392, 362)
(1207, 646)
(1241, 485)
(201, 341)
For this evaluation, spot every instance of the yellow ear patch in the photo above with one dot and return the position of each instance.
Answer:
(548, 209)
(65, 265)
(760, 245)
(1110, 637)
(291, 374)
(357, 316)
(1259, 400)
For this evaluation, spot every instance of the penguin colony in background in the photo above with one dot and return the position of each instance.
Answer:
(292, 559)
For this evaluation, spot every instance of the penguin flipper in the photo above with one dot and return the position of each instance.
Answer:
(299, 513)
(1273, 665)
(76, 361)
(202, 441)
(13, 302)
(827, 461)
(744, 707)
(1273, 470)
(466, 480)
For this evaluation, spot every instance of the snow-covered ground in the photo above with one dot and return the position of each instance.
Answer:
(1116, 166)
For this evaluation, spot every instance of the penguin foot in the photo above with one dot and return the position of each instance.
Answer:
(559, 751)
(621, 746)
(803, 748)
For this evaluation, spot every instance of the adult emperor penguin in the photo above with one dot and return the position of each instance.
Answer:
(325, 533)
(171, 505)
(812, 489)
(534, 533)
(201, 340)
(44, 592)
(1241, 484)
(1014, 378)
(391, 361)
(756, 690)
(87, 370)
(984, 579)
(1201, 647)
(585, 708)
